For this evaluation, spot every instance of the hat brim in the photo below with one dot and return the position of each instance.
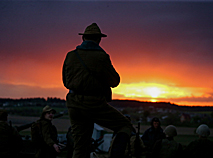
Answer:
(101, 35)
(50, 110)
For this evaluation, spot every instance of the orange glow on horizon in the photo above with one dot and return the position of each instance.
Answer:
(153, 100)
(155, 92)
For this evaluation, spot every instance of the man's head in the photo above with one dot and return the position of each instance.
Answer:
(155, 123)
(48, 113)
(203, 131)
(93, 33)
(170, 131)
(3, 115)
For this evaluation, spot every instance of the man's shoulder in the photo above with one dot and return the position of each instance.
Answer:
(43, 122)
(204, 141)
(161, 129)
(148, 130)
(194, 143)
(71, 52)
(4, 125)
(88, 51)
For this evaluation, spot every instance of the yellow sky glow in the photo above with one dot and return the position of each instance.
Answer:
(157, 92)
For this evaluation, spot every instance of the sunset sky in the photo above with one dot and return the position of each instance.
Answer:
(162, 50)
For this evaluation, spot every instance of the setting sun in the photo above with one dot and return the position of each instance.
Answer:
(157, 92)
(148, 90)
(154, 92)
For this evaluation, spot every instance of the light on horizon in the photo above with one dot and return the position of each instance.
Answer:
(155, 92)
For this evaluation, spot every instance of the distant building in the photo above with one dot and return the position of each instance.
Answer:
(185, 117)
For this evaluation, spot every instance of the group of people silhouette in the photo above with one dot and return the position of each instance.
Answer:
(161, 143)
(155, 142)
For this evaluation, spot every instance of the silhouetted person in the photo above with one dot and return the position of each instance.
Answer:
(167, 147)
(201, 147)
(10, 140)
(135, 148)
(152, 134)
(88, 74)
(48, 147)
(70, 143)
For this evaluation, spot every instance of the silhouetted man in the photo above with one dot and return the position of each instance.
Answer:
(201, 147)
(167, 147)
(152, 134)
(10, 140)
(48, 147)
(88, 74)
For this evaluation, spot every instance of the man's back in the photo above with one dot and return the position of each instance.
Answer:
(151, 135)
(78, 78)
(170, 149)
(88, 71)
(199, 148)
(10, 140)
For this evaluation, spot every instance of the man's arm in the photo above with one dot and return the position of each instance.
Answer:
(46, 127)
(145, 138)
(112, 76)
(64, 73)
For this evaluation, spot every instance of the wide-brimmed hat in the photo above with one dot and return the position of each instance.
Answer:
(48, 109)
(93, 29)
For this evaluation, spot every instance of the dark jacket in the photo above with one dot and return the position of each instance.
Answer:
(49, 135)
(167, 148)
(151, 135)
(135, 147)
(10, 141)
(201, 147)
(78, 79)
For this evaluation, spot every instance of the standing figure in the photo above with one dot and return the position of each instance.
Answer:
(135, 147)
(10, 140)
(152, 134)
(88, 74)
(47, 139)
(167, 147)
(201, 147)
(70, 143)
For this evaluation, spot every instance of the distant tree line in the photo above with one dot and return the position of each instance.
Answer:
(162, 105)
(40, 102)
(24, 111)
